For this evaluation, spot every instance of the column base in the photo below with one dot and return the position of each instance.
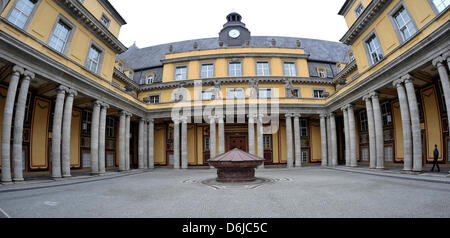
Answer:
(7, 183)
(67, 176)
(19, 180)
(380, 168)
(57, 178)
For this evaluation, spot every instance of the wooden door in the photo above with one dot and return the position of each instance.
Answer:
(237, 141)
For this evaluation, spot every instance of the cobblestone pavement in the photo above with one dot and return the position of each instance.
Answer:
(300, 192)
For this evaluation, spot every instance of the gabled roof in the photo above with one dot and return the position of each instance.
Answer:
(319, 50)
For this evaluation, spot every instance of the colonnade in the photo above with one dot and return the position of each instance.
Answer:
(293, 141)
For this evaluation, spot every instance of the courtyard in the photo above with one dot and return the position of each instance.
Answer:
(294, 193)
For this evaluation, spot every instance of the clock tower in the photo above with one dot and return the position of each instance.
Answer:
(234, 32)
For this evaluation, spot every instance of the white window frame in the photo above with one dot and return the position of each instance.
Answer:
(261, 69)
(235, 69)
(182, 75)
(232, 93)
(406, 30)
(268, 93)
(206, 94)
(97, 61)
(105, 20)
(375, 49)
(15, 13)
(440, 6)
(319, 96)
(359, 9)
(207, 70)
(363, 121)
(290, 69)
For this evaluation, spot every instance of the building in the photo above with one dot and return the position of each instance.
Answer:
(75, 99)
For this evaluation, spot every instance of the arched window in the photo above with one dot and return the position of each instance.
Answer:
(120, 66)
(322, 72)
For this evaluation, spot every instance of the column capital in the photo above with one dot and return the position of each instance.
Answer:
(105, 105)
(446, 56)
(18, 70)
(151, 120)
(62, 89)
(408, 79)
(437, 62)
(324, 116)
(184, 119)
(374, 95)
(123, 113)
(29, 75)
(176, 120)
(297, 115)
(97, 103)
(331, 114)
(72, 93)
(289, 115)
(398, 83)
(212, 119)
(349, 107)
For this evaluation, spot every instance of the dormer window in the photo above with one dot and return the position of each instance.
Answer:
(130, 74)
(351, 57)
(120, 66)
(359, 10)
(322, 72)
(105, 20)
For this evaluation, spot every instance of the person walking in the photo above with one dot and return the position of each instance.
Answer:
(435, 161)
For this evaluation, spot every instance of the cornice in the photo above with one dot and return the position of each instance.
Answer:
(234, 55)
(346, 7)
(363, 22)
(235, 80)
(349, 68)
(111, 10)
(122, 77)
(79, 12)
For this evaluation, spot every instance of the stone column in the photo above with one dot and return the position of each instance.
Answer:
(56, 132)
(101, 140)
(212, 137)
(372, 133)
(151, 129)
(94, 136)
(145, 149)
(122, 138)
(415, 121)
(334, 146)
(329, 143)
(127, 141)
(7, 121)
(297, 141)
(439, 64)
(141, 144)
(221, 135)
(347, 137)
(176, 143)
(67, 126)
(406, 125)
(251, 134)
(18, 126)
(446, 57)
(352, 135)
(289, 144)
(323, 138)
(184, 147)
(260, 136)
(379, 131)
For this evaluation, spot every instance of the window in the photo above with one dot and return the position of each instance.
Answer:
(404, 23)
(21, 12)
(87, 120)
(322, 72)
(363, 124)
(267, 141)
(120, 66)
(93, 59)
(206, 95)
(351, 57)
(365, 154)
(130, 74)
(110, 126)
(296, 93)
(386, 114)
(374, 48)
(388, 153)
(153, 99)
(441, 5)
(86, 159)
(303, 127)
(289, 69)
(235, 69)
(235, 93)
(181, 73)
(339, 68)
(150, 79)
(265, 93)
(304, 156)
(207, 71)
(262, 68)
(60, 36)
(318, 93)
(359, 10)
(206, 143)
(105, 20)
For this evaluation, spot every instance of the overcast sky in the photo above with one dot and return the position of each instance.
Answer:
(153, 22)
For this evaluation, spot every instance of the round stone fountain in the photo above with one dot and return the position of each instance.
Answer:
(236, 166)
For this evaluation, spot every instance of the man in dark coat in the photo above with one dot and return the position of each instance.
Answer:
(435, 161)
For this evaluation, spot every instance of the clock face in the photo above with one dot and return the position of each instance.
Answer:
(234, 33)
